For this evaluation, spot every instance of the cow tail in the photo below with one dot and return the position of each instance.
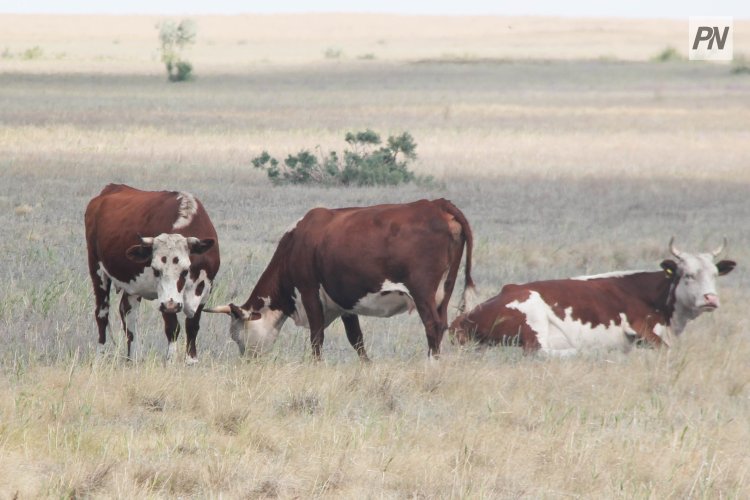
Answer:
(468, 299)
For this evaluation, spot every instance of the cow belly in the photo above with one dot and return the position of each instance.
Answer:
(564, 336)
(143, 285)
(391, 299)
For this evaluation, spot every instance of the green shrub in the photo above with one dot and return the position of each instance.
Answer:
(740, 65)
(34, 52)
(333, 53)
(364, 164)
(174, 39)
(669, 54)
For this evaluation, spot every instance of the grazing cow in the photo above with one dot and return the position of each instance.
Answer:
(372, 261)
(153, 245)
(604, 311)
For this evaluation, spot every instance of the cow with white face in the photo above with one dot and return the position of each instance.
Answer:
(610, 311)
(176, 266)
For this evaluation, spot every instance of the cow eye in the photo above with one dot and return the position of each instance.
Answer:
(157, 273)
(183, 274)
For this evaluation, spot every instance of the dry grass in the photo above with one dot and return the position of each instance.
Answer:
(564, 167)
(653, 424)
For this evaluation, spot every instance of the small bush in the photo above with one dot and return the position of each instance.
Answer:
(34, 52)
(6, 54)
(333, 53)
(669, 54)
(361, 165)
(740, 65)
(174, 39)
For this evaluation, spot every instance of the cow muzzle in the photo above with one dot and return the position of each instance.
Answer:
(170, 307)
(711, 302)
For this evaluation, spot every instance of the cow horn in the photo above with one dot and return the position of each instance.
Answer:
(673, 249)
(721, 248)
(218, 309)
(147, 241)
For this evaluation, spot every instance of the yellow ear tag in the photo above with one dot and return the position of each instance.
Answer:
(668, 271)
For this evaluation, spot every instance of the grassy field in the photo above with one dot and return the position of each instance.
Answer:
(571, 154)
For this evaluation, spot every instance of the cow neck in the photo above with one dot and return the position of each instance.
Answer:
(655, 289)
(273, 283)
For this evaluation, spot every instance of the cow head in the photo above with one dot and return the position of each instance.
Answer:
(694, 276)
(255, 331)
(169, 258)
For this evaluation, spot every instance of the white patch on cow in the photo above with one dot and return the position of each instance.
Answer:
(440, 292)
(130, 315)
(613, 274)
(563, 337)
(189, 360)
(664, 333)
(103, 312)
(191, 301)
(186, 211)
(391, 299)
(104, 277)
(171, 351)
(143, 285)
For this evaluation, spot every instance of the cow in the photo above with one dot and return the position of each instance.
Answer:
(606, 311)
(372, 261)
(153, 245)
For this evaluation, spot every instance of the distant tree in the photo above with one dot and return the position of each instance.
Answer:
(174, 39)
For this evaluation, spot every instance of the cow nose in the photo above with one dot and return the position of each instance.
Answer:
(170, 307)
(712, 300)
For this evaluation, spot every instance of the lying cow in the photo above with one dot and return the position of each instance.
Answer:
(604, 311)
(153, 245)
(372, 261)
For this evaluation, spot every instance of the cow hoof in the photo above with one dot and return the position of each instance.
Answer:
(189, 360)
(100, 350)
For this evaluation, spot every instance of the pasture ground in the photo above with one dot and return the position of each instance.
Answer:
(576, 156)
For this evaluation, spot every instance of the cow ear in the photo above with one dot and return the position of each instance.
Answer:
(254, 315)
(725, 266)
(670, 267)
(198, 247)
(139, 253)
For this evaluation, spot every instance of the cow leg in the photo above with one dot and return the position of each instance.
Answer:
(128, 311)
(192, 325)
(102, 285)
(354, 334)
(172, 331)
(316, 319)
(450, 283)
(433, 326)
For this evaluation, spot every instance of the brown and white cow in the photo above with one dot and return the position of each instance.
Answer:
(156, 245)
(373, 261)
(612, 310)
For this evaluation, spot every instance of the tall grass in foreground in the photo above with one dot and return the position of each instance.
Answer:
(652, 424)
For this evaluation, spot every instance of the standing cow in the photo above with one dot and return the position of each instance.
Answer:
(153, 245)
(604, 311)
(372, 261)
